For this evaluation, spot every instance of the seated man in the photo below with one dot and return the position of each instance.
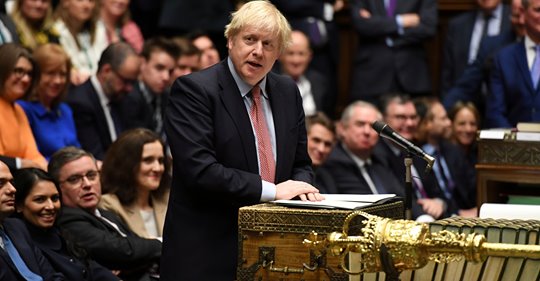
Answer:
(102, 234)
(355, 169)
(321, 138)
(400, 114)
(19, 258)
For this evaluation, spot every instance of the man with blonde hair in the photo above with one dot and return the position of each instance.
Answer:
(237, 137)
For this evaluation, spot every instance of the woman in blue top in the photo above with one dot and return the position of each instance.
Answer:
(50, 118)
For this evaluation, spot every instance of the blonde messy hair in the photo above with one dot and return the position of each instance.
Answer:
(261, 15)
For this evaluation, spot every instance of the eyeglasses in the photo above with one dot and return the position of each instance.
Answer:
(20, 72)
(78, 179)
(125, 81)
(402, 117)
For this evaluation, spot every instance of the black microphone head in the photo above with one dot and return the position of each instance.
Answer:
(378, 126)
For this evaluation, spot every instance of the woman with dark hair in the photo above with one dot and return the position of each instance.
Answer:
(135, 174)
(465, 123)
(38, 204)
(18, 75)
(51, 119)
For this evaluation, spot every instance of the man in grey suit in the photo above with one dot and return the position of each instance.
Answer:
(232, 146)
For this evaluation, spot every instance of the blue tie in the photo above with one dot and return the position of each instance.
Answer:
(17, 260)
(535, 69)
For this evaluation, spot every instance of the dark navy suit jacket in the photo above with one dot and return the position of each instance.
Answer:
(32, 256)
(513, 98)
(216, 170)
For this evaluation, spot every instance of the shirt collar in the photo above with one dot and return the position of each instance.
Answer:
(103, 99)
(244, 87)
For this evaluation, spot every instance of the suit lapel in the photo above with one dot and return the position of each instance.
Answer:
(279, 122)
(100, 114)
(520, 57)
(234, 104)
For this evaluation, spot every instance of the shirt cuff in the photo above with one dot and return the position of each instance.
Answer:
(328, 12)
(268, 191)
(18, 163)
(399, 22)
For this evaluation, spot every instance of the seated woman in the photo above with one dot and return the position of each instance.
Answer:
(82, 37)
(136, 180)
(17, 77)
(38, 204)
(115, 17)
(51, 119)
(34, 21)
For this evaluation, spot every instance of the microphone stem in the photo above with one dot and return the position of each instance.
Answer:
(408, 186)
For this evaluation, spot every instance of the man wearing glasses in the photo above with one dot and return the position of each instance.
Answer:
(400, 114)
(97, 103)
(101, 233)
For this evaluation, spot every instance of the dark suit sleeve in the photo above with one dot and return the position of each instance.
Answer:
(9, 161)
(302, 170)
(300, 8)
(107, 246)
(31, 254)
(198, 129)
(496, 112)
(380, 25)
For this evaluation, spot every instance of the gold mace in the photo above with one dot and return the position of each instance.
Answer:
(410, 245)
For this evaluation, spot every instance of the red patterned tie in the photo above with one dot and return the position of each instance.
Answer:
(267, 165)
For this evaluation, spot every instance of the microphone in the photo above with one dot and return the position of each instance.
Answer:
(385, 131)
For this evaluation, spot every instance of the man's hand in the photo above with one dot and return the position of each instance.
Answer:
(364, 13)
(410, 20)
(291, 189)
(432, 206)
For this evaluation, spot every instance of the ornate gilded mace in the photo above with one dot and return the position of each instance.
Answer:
(410, 244)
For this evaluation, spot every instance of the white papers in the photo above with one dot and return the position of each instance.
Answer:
(510, 211)
(338, 201)
(492, 134)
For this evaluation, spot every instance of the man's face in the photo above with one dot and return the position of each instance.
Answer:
(156, 71)
(210, 55)
(118, 83)
(402, 118)
(186, 65)
(7, 192)
(79, 181)
(440, 125)
(518, 18)
(253, 53)
(532, 20)
(295, 59)
(320, 143)
(488, 5)
(357, 133)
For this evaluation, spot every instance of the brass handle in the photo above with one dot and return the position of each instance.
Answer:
(286, 269)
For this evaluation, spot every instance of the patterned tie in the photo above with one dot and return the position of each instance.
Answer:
(391, 8)
(379, 186)
(17, 260)
(535, 70)
(267, 165)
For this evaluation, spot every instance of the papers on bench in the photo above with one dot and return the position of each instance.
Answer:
(338, 201)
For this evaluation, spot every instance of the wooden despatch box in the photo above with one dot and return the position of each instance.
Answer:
(270, 241)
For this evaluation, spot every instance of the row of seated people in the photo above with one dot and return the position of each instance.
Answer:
(40, 106)
(83, 29)
(361, 162)
(80, 234)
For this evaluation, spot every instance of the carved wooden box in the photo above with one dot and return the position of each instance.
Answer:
(270, 241)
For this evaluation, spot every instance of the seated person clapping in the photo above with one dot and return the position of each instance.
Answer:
(38, 204)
